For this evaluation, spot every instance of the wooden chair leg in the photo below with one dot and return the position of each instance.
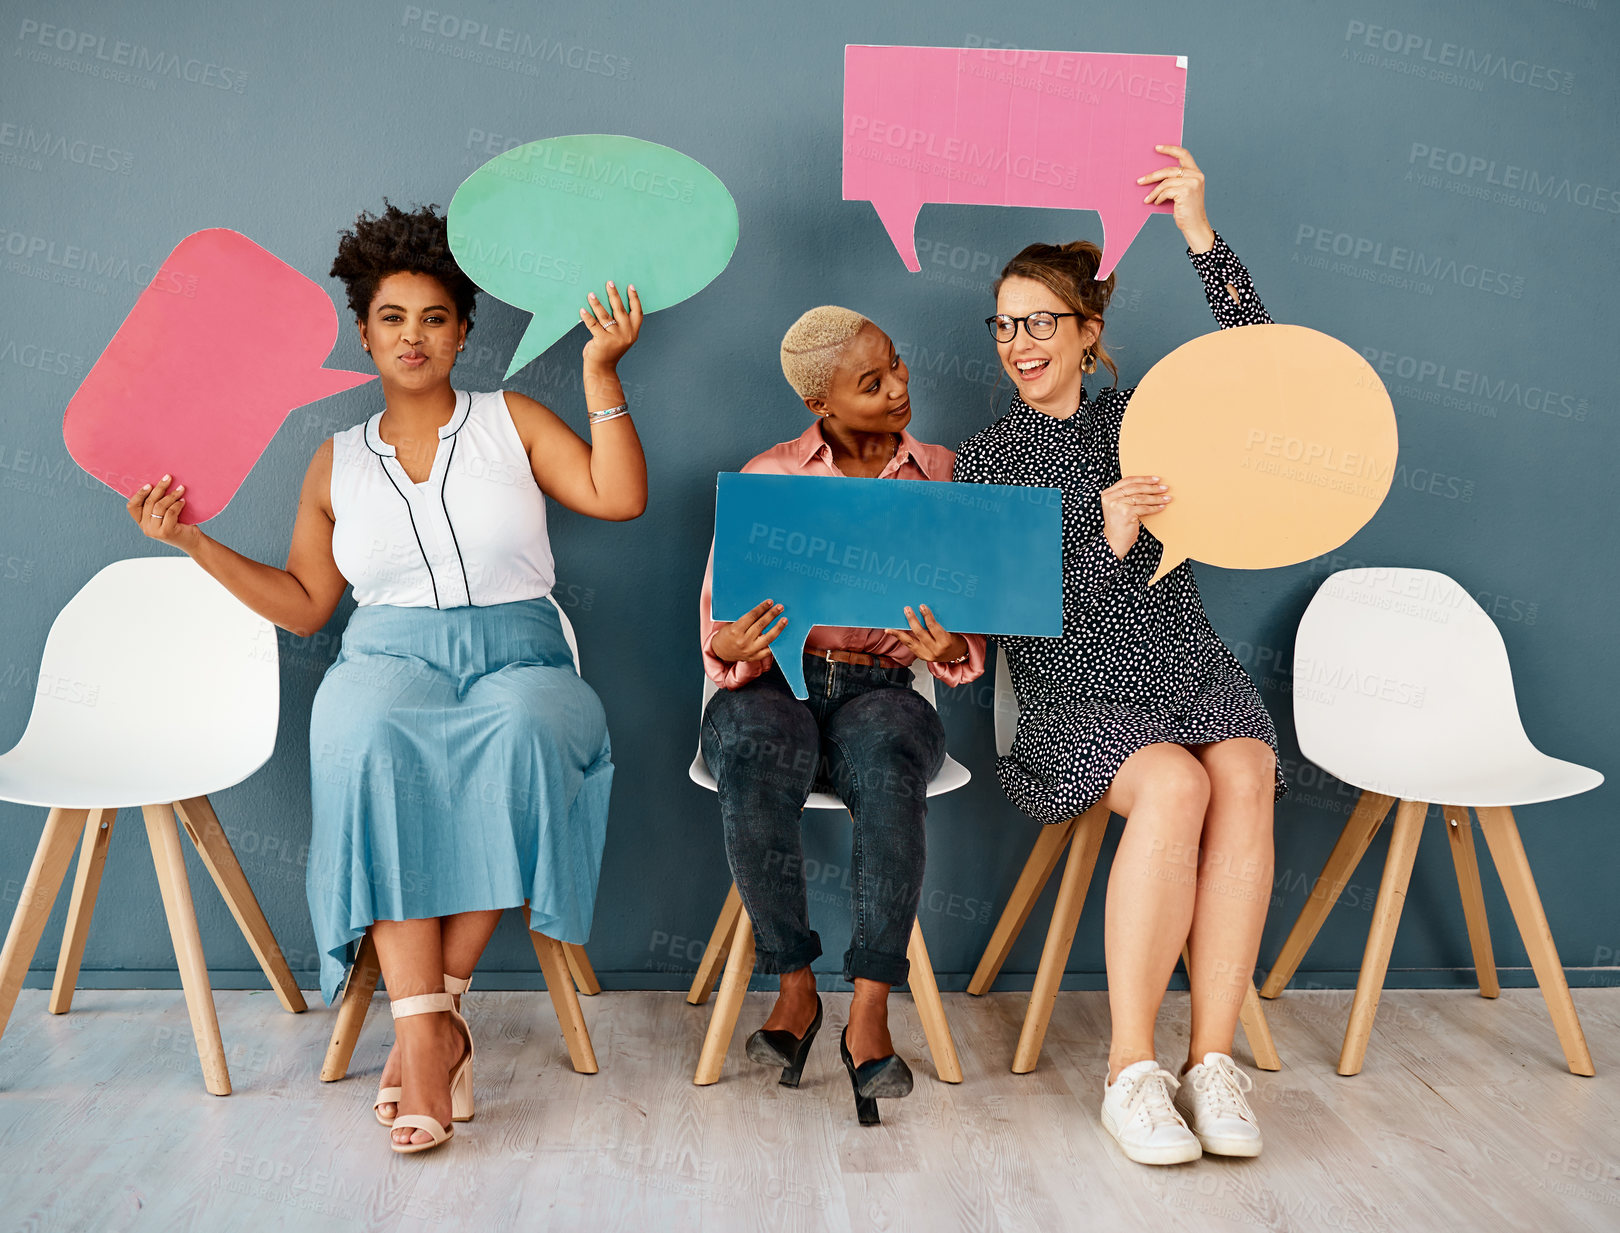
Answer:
(1513, 868)
(1043, 859)
(565, 1000)
(353, 1006)
(1460, 832)
(579, 967)
(1403, 846)
(1358, 832)
(63, 829)
(1071, 897)
(82, 906)
(219, 858)
(931, 1010)
(170, 862)
(1258, 1031)
(728, 1005)
(714, 954)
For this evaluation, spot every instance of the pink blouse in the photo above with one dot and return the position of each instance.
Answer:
(810, 454)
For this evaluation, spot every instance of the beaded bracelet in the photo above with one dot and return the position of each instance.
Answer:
(612, 413)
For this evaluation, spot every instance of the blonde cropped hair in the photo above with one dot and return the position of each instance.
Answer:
(813, 345)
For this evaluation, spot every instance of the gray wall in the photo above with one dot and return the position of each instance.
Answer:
(1300, 126)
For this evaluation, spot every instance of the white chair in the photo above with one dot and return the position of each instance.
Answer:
(732, 942)
(1083, 836)
(1402, 688)
(564, 965)
(156, 688)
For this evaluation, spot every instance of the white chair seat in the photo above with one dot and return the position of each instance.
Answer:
(82, 779)
(952, 776)
(1523, 777)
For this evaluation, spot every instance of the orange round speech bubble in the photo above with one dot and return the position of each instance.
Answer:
(1277, 442)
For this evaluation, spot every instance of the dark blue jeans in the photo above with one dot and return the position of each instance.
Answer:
(863, 734)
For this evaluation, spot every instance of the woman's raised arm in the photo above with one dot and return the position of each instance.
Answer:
(1227, 286)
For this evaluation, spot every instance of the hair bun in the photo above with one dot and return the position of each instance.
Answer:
(1070, 272)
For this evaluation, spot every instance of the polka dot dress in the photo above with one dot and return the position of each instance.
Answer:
(1135, 665)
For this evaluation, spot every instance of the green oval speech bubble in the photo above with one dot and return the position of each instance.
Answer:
(542, 224)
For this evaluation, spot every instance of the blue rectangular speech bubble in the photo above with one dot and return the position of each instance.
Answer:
(986, 558)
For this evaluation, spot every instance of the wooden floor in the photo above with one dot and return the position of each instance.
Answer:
(1464, 1118)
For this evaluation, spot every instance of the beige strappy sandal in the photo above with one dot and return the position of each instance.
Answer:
(460, 1077)
(455, 986)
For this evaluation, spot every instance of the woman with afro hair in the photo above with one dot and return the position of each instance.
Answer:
(458, 764)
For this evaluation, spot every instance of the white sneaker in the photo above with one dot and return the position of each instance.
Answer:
(1211, 1097)
(1137, 1110)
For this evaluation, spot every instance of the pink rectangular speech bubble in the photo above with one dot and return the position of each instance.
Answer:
(1057, 129)
(221, 346)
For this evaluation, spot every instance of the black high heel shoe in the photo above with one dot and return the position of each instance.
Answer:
(780, 1047)
(882, 1076)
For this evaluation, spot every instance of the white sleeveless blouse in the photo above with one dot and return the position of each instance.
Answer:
(474, 532)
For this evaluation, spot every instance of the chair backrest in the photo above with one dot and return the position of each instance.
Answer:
(1400, 666)
(1006, 704)
(162, 677)
(568, 632)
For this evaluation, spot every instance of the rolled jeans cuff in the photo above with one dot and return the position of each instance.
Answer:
(774, 963)
(863, 963)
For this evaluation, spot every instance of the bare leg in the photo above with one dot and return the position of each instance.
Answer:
(411, 955)
(1234, 888)
(868, 1013)
(795, 1002)
(869, 1021)
(462, 939)
(1162, 791)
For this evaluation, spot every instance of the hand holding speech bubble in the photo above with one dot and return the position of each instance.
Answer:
(188, 388)
(986, 558)
(542, 224)
(1060, 129)
(1277, 442)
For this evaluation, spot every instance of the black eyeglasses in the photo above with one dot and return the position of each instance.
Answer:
(1038, 325)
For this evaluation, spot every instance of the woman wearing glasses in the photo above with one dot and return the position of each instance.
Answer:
(1138, 704)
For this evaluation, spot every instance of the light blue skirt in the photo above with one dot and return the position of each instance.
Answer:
(457, 763)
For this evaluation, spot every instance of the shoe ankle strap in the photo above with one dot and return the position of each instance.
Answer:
(423, 1004)
(456, 985)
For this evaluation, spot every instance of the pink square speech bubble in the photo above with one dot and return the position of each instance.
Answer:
(222, 345)
(1056, 129)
